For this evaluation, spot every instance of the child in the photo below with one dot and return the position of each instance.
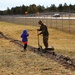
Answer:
(25, 39)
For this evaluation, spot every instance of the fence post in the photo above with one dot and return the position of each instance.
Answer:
(56, 23)
(62, 21)
(51, 20)
(69, 23)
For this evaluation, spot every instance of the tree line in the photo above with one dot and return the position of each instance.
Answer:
(33, 9)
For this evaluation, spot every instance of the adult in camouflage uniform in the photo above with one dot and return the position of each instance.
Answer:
(44, 31)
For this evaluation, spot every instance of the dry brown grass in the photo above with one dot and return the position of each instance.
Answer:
(15, 62)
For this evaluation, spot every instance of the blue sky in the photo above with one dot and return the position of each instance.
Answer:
(13, 3)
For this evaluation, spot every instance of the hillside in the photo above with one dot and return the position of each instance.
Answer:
(15, 62)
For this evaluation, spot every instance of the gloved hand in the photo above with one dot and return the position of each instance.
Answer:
(37, 29)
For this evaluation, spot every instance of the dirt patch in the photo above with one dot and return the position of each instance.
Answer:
(1, 35)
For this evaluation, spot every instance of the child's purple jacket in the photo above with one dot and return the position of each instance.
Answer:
(24, 36)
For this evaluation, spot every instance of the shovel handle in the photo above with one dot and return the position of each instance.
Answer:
(38, 38)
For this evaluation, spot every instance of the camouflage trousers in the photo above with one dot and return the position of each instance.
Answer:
(45, 41)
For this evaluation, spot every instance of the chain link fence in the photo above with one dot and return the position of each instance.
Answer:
(66, 21)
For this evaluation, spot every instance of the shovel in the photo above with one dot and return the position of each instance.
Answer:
(39, 46)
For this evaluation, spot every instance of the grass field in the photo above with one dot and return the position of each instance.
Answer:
(15, 62)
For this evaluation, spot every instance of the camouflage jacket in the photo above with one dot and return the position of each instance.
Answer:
(44, 30)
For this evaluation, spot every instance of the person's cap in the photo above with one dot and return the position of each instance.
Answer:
(40, 21)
